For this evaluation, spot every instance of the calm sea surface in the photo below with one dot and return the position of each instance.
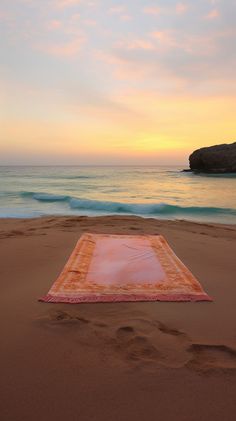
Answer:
(161, 192)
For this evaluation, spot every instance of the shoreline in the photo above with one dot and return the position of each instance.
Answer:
(158, 219)
(117, 215)
(58, 220)
(119, 361)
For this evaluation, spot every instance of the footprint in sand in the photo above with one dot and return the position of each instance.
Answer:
(14, 233)
(148, 343)
(140, 349)
(61, 317)
(170, 331)
(100, 324)
(142, 343)
(125, 332)
(209, 357)
(135, 347)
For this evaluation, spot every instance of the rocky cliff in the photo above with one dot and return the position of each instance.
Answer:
(214, 159)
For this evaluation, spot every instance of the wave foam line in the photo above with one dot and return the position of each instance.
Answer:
(45, 197)
(154, 209)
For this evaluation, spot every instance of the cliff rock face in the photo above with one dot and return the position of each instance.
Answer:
(214, 159)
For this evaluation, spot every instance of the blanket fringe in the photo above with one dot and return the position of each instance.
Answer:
(107, 298)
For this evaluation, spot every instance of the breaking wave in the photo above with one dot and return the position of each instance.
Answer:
(45, 197)
(152, 209)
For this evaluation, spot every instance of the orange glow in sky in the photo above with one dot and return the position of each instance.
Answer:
(106, 83)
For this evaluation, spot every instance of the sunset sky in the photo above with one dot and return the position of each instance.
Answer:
(112, 82)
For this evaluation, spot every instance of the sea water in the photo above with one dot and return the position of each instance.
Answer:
(160, 192)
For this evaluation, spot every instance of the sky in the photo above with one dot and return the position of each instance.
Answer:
(115, 82)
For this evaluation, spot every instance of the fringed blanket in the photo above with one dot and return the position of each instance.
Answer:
(107, 268)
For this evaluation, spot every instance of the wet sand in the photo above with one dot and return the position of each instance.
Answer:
(121, 361)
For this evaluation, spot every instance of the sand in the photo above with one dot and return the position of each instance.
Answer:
(126, 361)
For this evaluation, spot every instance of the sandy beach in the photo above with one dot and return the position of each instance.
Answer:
(121, 361)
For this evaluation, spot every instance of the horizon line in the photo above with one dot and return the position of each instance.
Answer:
(91, 165)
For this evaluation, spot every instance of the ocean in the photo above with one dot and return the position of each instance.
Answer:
(162, 192)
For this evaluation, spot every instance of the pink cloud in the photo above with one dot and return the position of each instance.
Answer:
(126, 18)
(164, 38)
(181, 8)
(75, 18)
(136, 44)
(191, 44)
(117, 10)
(122, 69)
(61, 4)
(205, 44)
(54, 24)
(152, 10)
(213, 14)
(65, 49)
(125, 69)
(90, 22)
(91, 3)
(6, 17)
(2, 16)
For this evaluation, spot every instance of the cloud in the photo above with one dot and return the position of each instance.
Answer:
(123, 68)
(63, 49)
(54, 24)
(135, 44)
(90, 22)
(126, 18)
(179, 60)
(2, 15)
(121, 12)
(66, 3)
(75, 17)
(152, 10)
(213, 14)
(165, 38)
(179, 42)
(181, 8)
(161, 39)
(117, 10)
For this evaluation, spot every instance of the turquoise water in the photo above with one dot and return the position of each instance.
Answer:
(161, 192)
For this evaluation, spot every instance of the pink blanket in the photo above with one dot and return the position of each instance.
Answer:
(105, 268)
